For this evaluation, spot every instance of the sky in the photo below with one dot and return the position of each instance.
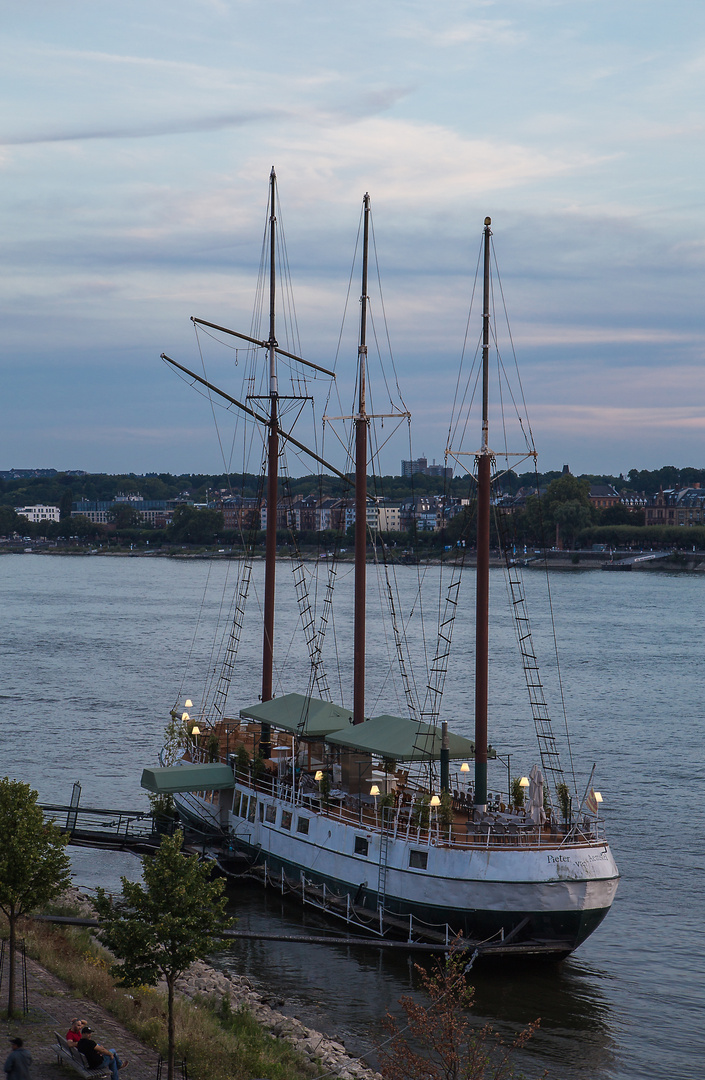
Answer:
(136, 141)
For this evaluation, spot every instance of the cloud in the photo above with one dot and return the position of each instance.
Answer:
(177, 126)
(557, 335)
(590, 419)
(411, 161)
(466, 32)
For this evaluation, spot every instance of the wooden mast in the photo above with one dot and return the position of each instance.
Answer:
(361, 424)
(484, 463)
(272, 480)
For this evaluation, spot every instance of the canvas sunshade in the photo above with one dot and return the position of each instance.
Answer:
(306, 717)
(401, 739)
(167, 781)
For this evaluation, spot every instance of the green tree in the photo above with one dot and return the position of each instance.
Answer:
(10, 520)
(34, 867)
(192, 526)
(159, 929)
(125, 516)
(621, 515)
(65, 504)
(570, 517)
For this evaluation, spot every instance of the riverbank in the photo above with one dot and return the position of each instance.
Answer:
(221, 1012)
(627, 559)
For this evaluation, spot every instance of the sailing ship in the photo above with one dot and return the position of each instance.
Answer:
(375, 819)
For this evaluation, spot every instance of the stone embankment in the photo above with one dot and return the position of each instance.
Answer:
(201, 980)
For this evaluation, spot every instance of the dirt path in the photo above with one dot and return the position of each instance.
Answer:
(52, 1007)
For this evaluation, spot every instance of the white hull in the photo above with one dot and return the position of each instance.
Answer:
(560, 892)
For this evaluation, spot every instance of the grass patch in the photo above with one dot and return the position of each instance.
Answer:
(218, 1042)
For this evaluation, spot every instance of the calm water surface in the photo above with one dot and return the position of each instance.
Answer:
(96, 650)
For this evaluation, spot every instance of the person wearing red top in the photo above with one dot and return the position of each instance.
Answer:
(73, 1034)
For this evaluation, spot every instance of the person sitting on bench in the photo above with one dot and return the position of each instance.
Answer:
(73, 1035)
(97, 1056)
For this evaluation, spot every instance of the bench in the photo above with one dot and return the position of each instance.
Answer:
(66, 1054)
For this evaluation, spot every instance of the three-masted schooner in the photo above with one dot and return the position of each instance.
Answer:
(366, 817)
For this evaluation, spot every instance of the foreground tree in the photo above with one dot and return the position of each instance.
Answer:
(443, 1042)
(159, 929)
(192, 526)
(34, 866)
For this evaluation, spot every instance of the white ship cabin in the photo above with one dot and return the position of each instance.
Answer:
(384, 774)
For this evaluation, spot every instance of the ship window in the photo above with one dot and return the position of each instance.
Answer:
(271, 814)
(286, 819)
(253, 807)
(361, 845)
(236, 804)
(261, 811)
(418, 860)
(302, 825)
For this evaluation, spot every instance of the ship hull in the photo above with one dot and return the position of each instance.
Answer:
(548, 895)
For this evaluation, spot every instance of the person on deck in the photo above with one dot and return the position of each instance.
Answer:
(18, 1061)
(97, 1056)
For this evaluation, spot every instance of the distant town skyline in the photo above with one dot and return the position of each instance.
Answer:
(135, 147)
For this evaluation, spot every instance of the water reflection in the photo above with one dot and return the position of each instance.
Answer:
(345, 991)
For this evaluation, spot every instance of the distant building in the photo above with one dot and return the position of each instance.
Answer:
(99, 513)
(389, 518)
(157, 512)
(421, 465)
(239, 513)
(39, 513)
(604, 495)
(672, 507)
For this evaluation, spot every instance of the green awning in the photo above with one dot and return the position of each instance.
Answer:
(401, 739)
(167, 781)
(306, 717)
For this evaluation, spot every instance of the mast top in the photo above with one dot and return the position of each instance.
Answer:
(488, 220)
(272, 173)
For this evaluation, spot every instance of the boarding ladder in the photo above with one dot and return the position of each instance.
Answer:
(550, 759)
(384, 838)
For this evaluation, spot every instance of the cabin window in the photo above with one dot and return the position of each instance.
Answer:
(253, 808)
(286, 819)
(236, 804)
(302, 825)
(418, 860)
(271, 814)
(361, 845)
(261, 811)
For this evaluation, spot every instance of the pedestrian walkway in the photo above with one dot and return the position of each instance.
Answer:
(52, 1007)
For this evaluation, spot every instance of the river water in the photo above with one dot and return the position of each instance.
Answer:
(95, 651)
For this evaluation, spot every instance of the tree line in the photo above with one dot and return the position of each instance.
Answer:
(63, 489)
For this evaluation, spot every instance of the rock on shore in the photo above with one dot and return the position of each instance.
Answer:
(201, 980)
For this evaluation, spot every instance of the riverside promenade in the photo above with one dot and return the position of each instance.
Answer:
(52, 1007)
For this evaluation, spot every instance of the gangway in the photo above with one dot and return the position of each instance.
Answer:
(635, 560)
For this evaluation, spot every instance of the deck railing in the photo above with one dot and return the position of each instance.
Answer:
(496, 829)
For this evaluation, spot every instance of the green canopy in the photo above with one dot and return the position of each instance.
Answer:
(306, 717)
(214, 777)
(401, 739)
